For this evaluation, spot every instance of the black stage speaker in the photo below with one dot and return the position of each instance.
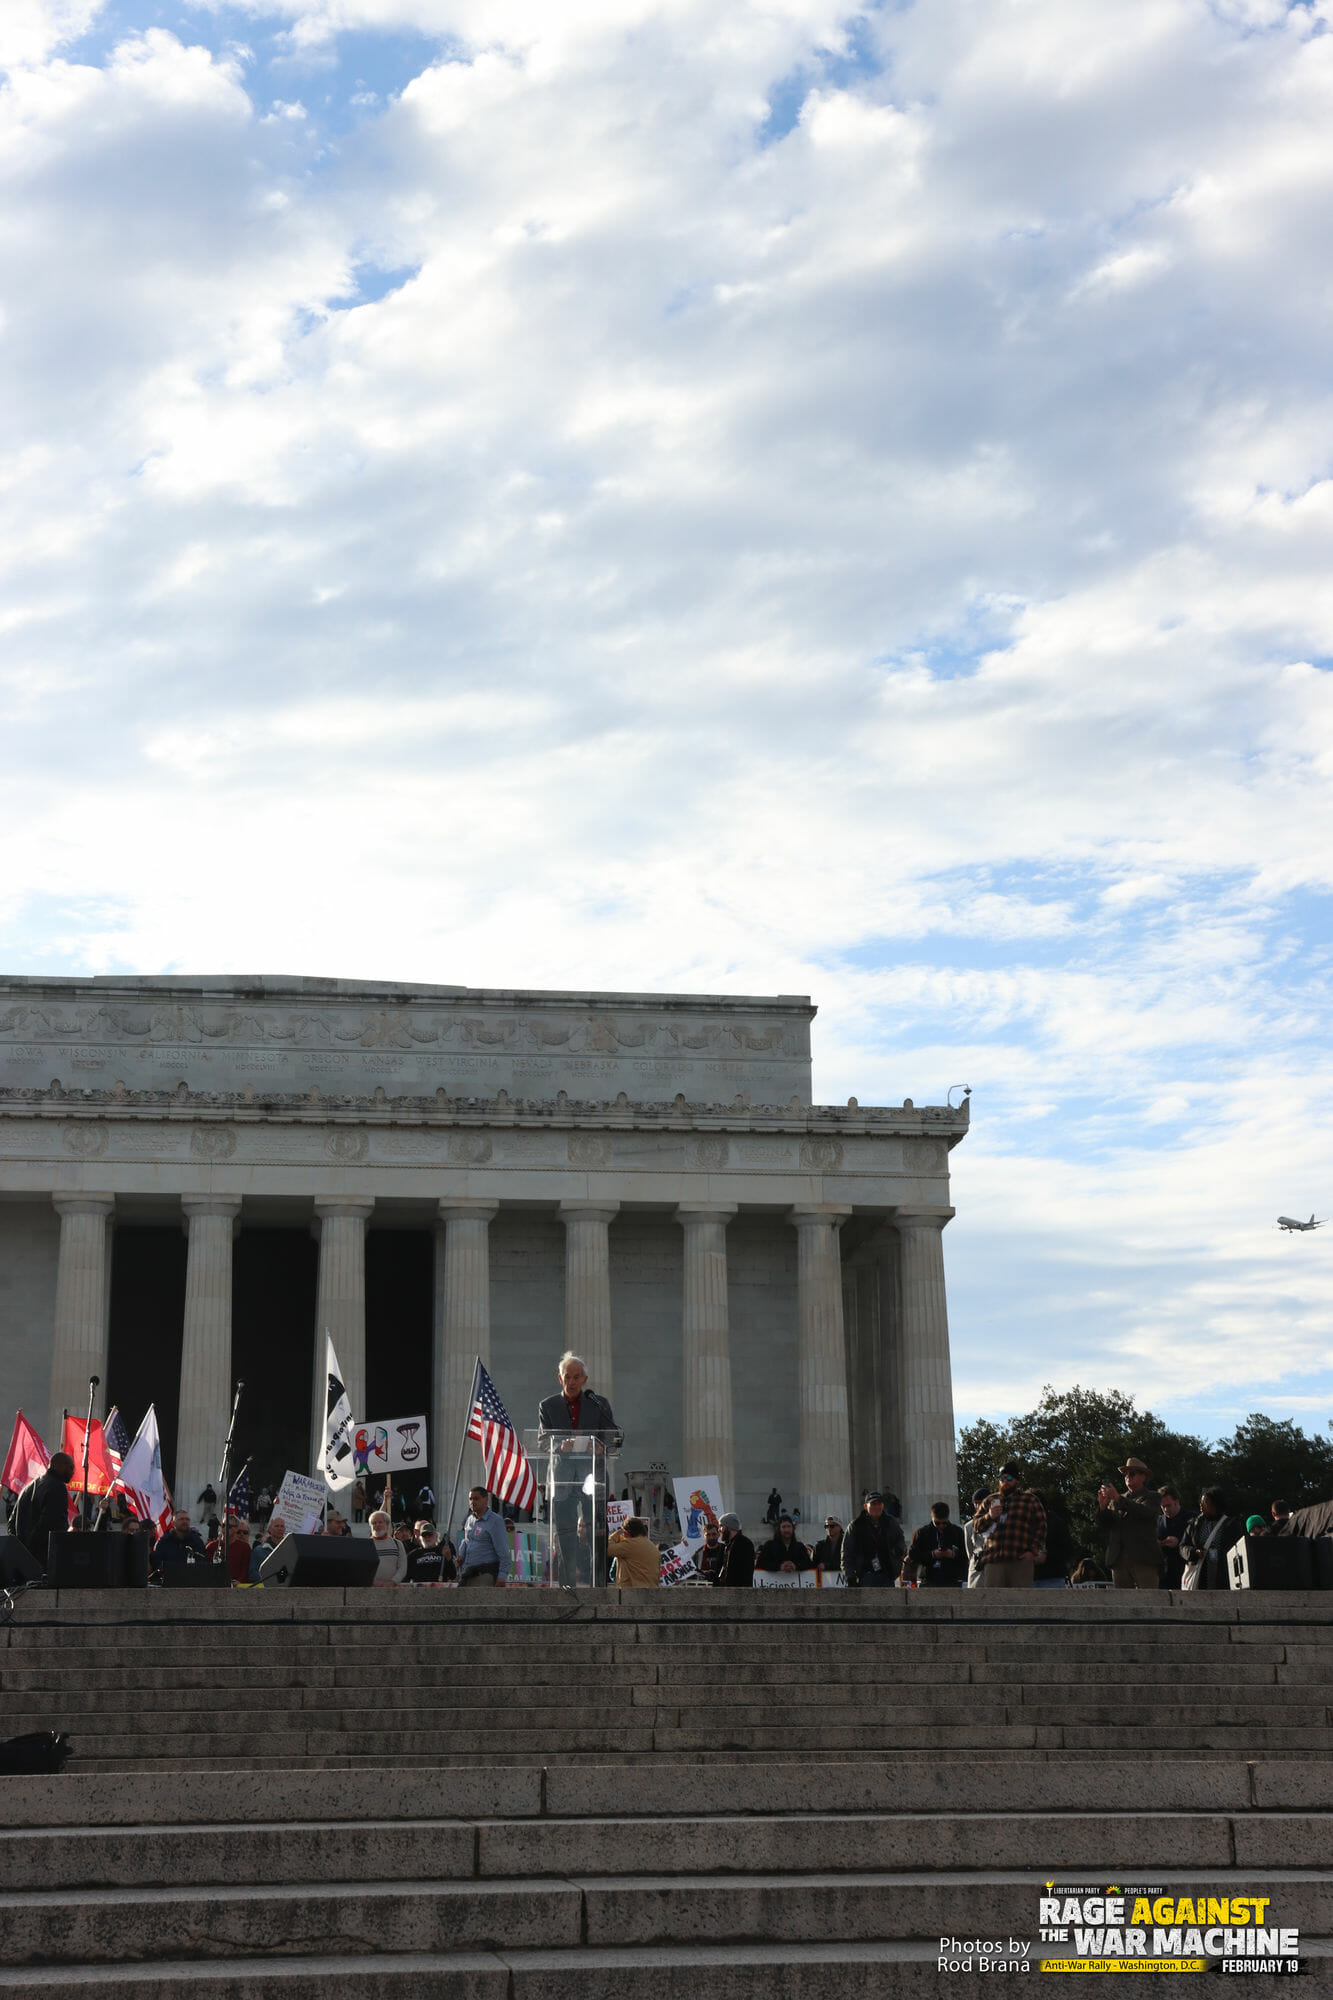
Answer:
(1264, 1562)
(100, 1561)
(1321, 1551)
(195, 1576)
(17, 1562)
(320, 1561)
(88, 1561)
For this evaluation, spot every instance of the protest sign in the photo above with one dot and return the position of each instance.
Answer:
(698, 1501)
(678, 1564)
(617, 1513)
(390, 1444)
(806, 1579)
(300, 1503)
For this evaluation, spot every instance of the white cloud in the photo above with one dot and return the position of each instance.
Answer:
(878, 548)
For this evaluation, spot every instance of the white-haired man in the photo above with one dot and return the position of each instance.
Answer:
(576, 1408)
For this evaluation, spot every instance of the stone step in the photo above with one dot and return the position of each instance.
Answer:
(823, 1722)
(825, 1971)
(284, 1738)
(1050, 1682)
(77, 1926)
(1224, 1782)
(294, 1852)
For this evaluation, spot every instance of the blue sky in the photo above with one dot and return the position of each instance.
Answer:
(777, 498)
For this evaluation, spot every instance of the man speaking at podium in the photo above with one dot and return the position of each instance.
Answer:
(576, 1408)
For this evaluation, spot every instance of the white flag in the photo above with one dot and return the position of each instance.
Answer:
(339, 1466)
(141, 1478)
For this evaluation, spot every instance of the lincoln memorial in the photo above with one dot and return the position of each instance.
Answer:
(199, 1175)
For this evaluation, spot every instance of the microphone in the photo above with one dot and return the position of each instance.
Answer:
(94, 1381)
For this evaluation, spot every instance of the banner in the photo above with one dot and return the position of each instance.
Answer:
(805, 1579)
(336, 1464)
(101, 1472)
(300, 1503)
(392, 1444)
(698, 1501)
(27, 1457)
(141, 1478)
(678, 1564)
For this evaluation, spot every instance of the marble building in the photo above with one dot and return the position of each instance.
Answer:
(197, 1174)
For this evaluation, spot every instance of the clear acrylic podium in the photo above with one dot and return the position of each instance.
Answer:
(577, 1470)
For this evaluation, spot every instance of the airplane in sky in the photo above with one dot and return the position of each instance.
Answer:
(1289, 1222)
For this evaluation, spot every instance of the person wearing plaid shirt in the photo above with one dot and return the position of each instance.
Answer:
(1012, 1525)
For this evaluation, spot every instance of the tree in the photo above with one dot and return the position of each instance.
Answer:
(1073, 1441)
(1265, 1459)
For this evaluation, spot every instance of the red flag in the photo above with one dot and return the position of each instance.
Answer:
(28, 1457)
(101, 1472)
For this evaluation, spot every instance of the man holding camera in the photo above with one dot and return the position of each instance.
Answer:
(1130, 1518)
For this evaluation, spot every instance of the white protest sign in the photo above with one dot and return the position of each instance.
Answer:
(617, 1513)
(806, 1579)
(389, 1444)
(698, 1501)
(677, 1564)
(300, 1503)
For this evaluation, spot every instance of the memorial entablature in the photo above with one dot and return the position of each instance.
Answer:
(756, 1280)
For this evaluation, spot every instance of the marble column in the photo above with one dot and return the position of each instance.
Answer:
(706, 1433)
(865, 1388)
(462, 1332)
(823, 1462)
(206, 1379)
(930, 1471)
(79, 1346)
(588, 1289)
(341, 1312)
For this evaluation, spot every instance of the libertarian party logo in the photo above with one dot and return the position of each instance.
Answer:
(1150, 1928)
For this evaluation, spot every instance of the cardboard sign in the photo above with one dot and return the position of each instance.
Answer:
(390, 1444)
(698, 1501)
(617, 1513)
(678, 1564)
(300, 1503)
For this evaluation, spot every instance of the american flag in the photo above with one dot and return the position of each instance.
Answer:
(118, 1439)
(508, 1474)
(239, 1497)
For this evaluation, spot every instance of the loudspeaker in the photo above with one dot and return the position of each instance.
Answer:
(88, 1561)
(17, 1562)
(106, 1560)
(1264, 1562)
(1321, 1550)
(321, 1561)
(196, 1576)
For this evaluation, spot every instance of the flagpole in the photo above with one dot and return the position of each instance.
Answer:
(223, 1487)
(93, 1381)
(462, 1447)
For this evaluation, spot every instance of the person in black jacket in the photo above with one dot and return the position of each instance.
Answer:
(1204, 1544)
(786, 1551)
(42, 1508)
(874, 1547)
(938, 1553)
(576, 1408)
(737, 1571)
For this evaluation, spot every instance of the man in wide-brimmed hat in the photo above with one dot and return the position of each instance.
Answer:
(1132, 1552)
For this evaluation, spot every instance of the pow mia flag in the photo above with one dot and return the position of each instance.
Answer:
(338, 1467)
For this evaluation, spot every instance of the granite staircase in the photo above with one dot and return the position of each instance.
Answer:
(641, 1796)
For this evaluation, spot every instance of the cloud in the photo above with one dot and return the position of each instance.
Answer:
(784, 498)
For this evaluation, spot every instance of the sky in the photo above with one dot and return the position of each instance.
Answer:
(767, 498)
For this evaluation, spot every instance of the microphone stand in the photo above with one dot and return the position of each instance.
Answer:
(93, 1381)
(223, 1487)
